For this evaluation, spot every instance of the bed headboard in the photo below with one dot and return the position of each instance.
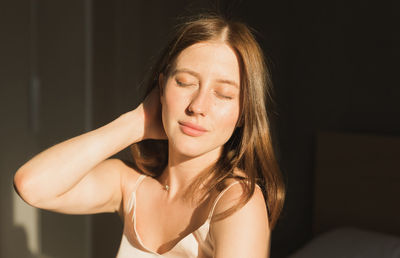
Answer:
(357, 182)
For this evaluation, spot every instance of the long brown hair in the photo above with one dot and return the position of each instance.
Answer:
(249, 148)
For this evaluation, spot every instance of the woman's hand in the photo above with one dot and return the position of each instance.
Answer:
(151, 108)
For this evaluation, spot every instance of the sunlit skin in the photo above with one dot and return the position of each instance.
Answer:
(202, 88)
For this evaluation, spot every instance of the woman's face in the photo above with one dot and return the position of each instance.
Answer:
(200, 99)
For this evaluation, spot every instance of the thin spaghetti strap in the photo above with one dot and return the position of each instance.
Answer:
(219, 197)
(138, 181)
(132, 197)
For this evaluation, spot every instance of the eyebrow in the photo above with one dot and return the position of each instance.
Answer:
(196, 74)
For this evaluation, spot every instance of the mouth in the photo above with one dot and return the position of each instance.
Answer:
(191, 129)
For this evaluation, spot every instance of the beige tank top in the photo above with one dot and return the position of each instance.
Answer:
(197, 244)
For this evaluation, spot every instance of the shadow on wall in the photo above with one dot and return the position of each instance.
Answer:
(14, 240)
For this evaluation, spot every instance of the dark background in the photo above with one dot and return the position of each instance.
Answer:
(334, 66)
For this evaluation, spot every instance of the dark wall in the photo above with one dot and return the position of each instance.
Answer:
(42, 60)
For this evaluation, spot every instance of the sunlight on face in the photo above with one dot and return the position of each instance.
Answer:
(200, 101)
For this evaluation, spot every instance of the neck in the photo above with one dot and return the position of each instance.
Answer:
(182, 170)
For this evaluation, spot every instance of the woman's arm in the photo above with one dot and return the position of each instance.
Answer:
(75, 177)
(246, 232)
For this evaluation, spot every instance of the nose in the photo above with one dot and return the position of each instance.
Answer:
(199, 104)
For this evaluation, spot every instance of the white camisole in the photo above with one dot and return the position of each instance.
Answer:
(197, 244)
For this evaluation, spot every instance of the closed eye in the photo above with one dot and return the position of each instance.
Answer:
(181, 84)
(224, 96)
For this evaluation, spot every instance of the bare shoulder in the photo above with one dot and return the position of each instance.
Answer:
(234, 191)
(256, 206)
(244, 232)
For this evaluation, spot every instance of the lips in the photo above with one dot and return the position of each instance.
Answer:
(191, 129)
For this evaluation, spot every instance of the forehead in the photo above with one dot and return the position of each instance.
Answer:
(213, 59)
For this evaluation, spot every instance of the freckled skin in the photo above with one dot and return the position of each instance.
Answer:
(202, 97)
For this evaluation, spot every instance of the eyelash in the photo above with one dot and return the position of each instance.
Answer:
(224, 97)
(181, 84)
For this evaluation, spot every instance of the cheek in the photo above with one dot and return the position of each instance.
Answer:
(173, 101)
(227, 117)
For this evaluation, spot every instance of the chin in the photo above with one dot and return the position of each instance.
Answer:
(193, 149)
(187, 148)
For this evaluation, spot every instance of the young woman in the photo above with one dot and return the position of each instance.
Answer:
(205, 182)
